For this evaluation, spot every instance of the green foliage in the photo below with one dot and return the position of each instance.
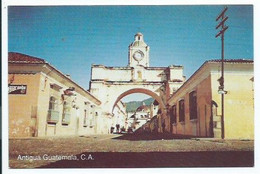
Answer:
(133, 105)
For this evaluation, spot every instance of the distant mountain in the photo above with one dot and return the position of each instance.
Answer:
(133, 105)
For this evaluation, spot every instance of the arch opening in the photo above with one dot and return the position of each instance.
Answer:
(142, 114)
(143, 91)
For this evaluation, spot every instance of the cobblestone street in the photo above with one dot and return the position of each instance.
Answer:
(100, 151)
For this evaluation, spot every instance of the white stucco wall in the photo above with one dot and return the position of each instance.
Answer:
(113, 74)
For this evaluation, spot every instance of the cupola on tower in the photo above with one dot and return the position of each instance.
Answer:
(138, 52)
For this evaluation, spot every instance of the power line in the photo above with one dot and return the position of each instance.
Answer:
(223, 18)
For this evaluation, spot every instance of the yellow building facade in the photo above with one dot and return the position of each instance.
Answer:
(195, 108)
(45, 102)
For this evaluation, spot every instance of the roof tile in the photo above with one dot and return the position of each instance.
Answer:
(22, 58)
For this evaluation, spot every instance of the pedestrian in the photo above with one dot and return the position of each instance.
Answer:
(163, 127)
(117, 128)
(112, 129)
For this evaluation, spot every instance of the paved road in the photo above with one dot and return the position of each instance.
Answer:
(129, 151)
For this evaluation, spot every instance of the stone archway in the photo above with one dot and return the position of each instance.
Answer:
(111, 84)
(154, 94)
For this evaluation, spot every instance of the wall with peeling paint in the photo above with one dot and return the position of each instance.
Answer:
(238, 102)
(23, 107)
(28, 113)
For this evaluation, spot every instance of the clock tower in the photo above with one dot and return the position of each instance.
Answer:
(138, 54)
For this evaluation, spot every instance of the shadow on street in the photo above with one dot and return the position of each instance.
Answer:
(150, 136)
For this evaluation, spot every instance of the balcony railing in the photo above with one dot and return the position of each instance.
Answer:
(53, 116)
(66, 118)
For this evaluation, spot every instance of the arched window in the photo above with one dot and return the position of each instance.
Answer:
(193, 105)
(181, 111)
(173, 114)
(53, 104)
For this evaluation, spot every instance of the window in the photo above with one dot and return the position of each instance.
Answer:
(214, 106)
(139, 73)
(85, 118)
(53, 104)
(181, 111)
(53, 113)
(66, 107)
(66, 113)
(193, 105)
(91, 123)
(173, 114)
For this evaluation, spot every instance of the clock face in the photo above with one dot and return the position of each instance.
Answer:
(138, 55)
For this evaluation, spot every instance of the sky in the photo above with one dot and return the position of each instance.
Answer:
(71, 38)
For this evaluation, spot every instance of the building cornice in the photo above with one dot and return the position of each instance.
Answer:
(87, 94)
(130, 68)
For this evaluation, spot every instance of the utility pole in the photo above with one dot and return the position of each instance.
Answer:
(223, 18)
